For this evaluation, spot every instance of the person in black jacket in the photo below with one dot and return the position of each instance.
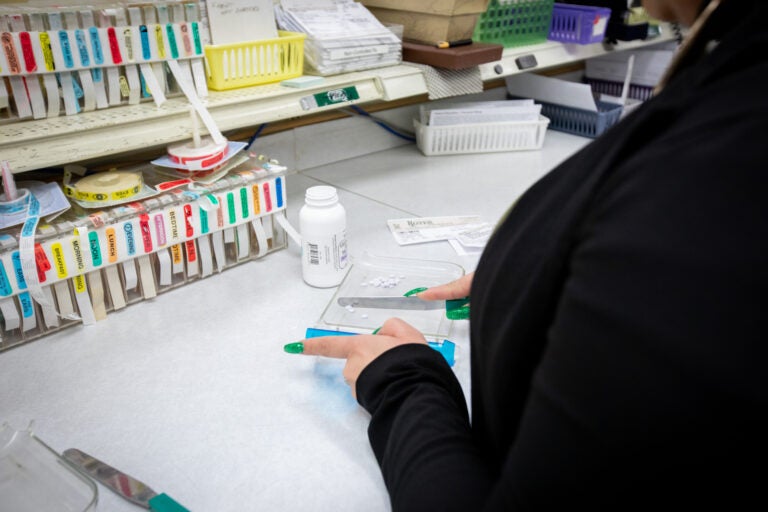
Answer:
(619, 356)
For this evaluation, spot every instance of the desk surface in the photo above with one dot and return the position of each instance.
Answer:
(192, 393)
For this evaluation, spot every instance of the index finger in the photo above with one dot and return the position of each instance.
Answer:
(457, 289)
(339, 347)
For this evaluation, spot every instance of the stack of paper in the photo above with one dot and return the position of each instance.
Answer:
(342, 35)
(649, 66)
(475, 112)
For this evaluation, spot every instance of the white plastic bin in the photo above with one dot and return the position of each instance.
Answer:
(480, 137)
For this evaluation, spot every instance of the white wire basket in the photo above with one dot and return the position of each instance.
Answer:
(480, 137)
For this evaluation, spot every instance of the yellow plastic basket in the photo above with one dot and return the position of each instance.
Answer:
(229, 66)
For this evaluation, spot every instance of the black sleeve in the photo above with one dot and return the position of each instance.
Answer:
(420, 431)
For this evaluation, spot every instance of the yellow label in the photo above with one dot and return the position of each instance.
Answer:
(125, 89)
(176, 254)
(160, 43)
(79, 284)
(256, 203)
(45, 44)
(58, 259)
(111, 245)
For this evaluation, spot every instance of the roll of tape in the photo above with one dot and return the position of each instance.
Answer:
(198, 157)
(106, 186)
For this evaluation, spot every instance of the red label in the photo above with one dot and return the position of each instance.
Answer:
(26, 50)
(114, 46)
(267, 198)
(42, 261)
(146, 235)
(188, 220)
(191, 252)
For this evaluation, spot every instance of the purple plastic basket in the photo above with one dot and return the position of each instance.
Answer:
(580, 24)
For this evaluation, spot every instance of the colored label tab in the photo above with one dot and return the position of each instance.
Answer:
(256, 200)
(45, 44)
(66, 49)
(58, 258)
(98, 54)
(80, 285)
(267, 197)
(27, 52)
(231, 207)
(42, 263)
(27, 307)
(185, 39)
(130, 241)
(176, 255)
(146, 234)
(190, 231)
(111, 245)
(5, 285)
(82, 48)
(172, 41)
(244, 201)
(279, 191)
(160, 229)
(196, 37)
(93, 242)
(203, 221)
(146, 52)
(114, 46)
(191, 251)
(160, 42)
(14, 65)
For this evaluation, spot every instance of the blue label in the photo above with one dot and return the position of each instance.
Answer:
(18, 271)
(5, 286)
(82, 48)
(29, 226)
(69, 61)
(34, 206)
(279, 191)
(27, 308)
(130, 242)
(97, 74)
(98, 55)
(78, 89)
(146, 52)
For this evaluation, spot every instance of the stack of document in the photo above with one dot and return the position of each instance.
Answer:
(649, 66)
(477, 112)
(342, 35)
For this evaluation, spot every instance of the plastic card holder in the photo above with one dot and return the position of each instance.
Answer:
(408, 274)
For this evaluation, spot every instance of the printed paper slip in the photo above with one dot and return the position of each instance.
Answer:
(431, 229)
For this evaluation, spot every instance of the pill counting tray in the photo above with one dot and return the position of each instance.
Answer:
(378, 276)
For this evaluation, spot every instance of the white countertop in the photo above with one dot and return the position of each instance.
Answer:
(192, 393)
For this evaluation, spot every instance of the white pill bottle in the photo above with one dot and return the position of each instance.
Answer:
(323, 227)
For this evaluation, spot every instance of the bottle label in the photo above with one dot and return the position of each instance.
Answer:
(325, 260)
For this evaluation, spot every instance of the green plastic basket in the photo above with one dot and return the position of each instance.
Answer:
(515, 22)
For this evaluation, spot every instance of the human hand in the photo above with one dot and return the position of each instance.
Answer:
(457, 289)
(361, 349)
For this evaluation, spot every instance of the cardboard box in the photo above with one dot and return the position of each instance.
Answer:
(429, 28)
(443, 7)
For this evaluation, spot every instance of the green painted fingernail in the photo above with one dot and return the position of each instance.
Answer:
(294, 348)
(414, 291)
(376, 330)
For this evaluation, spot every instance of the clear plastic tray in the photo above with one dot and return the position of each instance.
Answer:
(409, 274)
(34, 478)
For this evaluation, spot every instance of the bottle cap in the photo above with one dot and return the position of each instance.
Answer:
(322, 195)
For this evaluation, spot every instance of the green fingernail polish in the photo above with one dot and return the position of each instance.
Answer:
(414, 291)
(294, 348)
(376, 330)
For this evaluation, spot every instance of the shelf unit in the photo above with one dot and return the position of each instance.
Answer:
(37, 144)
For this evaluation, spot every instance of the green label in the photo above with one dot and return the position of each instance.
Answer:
(244, 201)
(336, 96)
(231, 208)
